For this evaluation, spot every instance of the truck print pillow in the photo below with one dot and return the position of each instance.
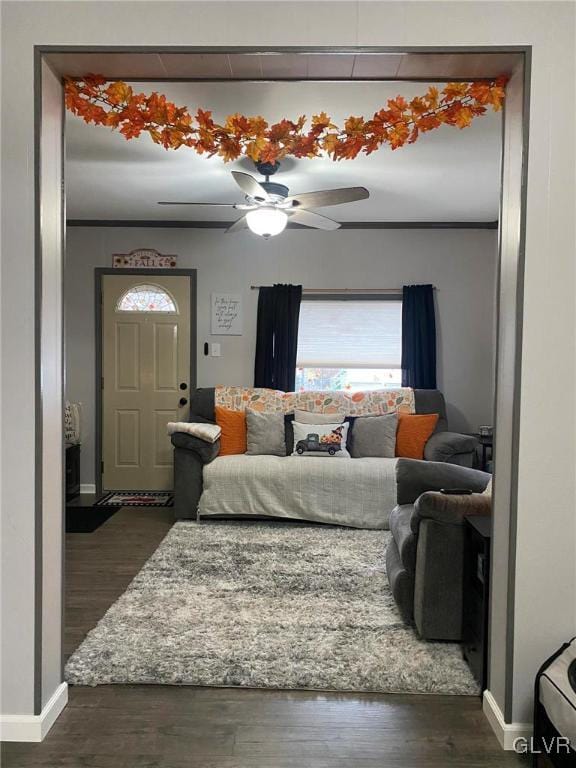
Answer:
(328, 440)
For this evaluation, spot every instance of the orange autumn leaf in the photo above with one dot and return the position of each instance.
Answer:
(463, 117)
(271, 153)
(480, 91)
(399, 135)
(428, 122)
(419, 105)
(454, 91)
(397, 106)
(204, 119)
(257, 125)
(282, 130)
(354, 124)
(229, 149)
(330, 142)
(130, 130)
(322, 121)
(432, 97)
(112, 119)
(254, 148)
(118, 92)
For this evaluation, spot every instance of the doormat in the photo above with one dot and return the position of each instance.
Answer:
(137, 499)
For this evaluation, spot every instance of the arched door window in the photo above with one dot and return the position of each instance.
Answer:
(146, 298)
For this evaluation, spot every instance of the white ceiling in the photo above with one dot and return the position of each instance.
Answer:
(448, 175)
(283, 65)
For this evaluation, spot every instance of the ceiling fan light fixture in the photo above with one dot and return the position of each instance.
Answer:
(266, 221)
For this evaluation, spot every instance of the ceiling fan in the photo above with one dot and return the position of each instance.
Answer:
(269, 207)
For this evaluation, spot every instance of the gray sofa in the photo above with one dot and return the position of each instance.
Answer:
(191, 455)
(425, 558)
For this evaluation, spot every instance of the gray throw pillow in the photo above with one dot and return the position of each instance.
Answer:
(265, 434)
(374, 436)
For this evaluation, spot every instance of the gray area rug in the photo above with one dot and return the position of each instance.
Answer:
(266, 605)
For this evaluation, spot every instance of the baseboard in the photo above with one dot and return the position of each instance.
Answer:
(34, 727)
(87, 488)
(506, 733)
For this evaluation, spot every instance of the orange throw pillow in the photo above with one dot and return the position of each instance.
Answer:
(414, 431)
(233, 425)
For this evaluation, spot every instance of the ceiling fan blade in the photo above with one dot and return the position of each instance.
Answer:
(184, 202)
(238, 225)
(309, 219)
(326, 197)
(250, 186)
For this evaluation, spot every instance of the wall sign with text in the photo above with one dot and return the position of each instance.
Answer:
(143, 258)
(226, 314)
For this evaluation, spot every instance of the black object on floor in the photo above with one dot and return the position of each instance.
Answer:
(83, 516)
(137, 499)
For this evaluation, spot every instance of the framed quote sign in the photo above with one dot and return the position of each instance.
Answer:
(143, 258)
(226, 314)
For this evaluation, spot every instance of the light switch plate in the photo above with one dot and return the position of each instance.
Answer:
(215, 350)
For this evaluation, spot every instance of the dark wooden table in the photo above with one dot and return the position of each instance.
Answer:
(477, 537)
(486, 444)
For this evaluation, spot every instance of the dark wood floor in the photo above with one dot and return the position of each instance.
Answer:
(177, 727)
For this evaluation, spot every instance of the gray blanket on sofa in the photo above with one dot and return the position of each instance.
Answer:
(359, 493)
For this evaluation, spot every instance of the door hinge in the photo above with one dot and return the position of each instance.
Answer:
(102, 384)
(102, 467)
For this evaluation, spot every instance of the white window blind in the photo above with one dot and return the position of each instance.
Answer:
(350, 334)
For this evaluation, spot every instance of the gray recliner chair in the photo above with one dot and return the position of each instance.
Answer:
(425, 558)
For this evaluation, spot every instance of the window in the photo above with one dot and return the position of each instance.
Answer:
(349, 343)
(146, 298)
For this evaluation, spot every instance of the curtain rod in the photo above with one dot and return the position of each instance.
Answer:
(342, 290)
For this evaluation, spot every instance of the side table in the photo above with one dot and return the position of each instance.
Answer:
(475, 604)
(486, 445)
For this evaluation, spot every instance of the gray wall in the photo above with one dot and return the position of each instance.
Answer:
(461, 263)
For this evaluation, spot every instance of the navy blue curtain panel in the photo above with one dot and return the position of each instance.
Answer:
(277, 336)
(418, 337)
(264, 338)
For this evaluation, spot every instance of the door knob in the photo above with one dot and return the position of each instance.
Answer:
(183, 402)
(183, 385)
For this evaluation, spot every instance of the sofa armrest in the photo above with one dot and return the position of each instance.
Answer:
(414, 477)
(449, 508)
(443, 446)
(206, 452)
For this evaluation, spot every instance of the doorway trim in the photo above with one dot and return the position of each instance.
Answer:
(43, 51)
(99, 273)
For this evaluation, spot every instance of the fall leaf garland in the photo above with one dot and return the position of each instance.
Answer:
(400, 122)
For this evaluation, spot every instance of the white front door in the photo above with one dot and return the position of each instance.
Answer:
(145, 377)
